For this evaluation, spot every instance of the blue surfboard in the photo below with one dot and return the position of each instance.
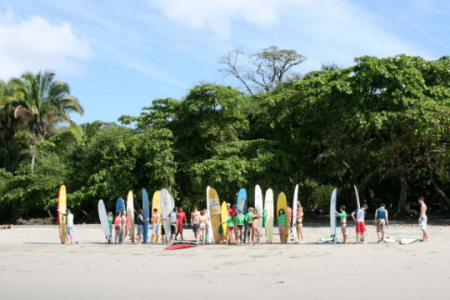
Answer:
(120, 206)
(243, 204)
(146, 210)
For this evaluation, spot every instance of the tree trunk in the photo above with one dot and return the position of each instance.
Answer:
(403, 194)
(33, 158)
(436, 187)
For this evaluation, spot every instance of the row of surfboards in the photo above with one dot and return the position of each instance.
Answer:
(163, 202)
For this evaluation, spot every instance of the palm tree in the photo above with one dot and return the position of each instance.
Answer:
(46, 102)
(8, 123)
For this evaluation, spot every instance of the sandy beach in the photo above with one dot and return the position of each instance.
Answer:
(35, 265)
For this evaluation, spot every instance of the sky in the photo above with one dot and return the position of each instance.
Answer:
(117, 56)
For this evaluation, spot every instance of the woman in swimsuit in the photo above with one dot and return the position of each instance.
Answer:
(230, 232)
(282, 216)
(240, 218)
(255, 229)
(343, 216)
(123, 226)
(202, 226)
(117, 225)
(299, 223)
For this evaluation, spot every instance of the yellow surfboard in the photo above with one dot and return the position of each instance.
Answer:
(224, 215)
(156, 203)
(62, 206)
(130, 214)
(214, 207)
(282, 204)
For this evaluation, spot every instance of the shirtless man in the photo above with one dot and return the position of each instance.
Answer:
(156, 219)
(202, 220)
(194, 220)
(423, 219)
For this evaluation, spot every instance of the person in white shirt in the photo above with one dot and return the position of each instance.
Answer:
(69, 226)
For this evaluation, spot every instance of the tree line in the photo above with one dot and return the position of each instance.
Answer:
(382, 125)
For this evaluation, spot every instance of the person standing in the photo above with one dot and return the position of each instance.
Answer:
(281, 221)
(423, 219)
(240, 220)
(381, 222)
(343, 216)
(255, 229)
(248, 226)
(110, 221)
(360, 223)
(181, 218)
(124, 227)
(118, 226)
(229, 209)
(230, 233)
(202, 220)
(299, 223)
(156, 219)
(69, 226)
(140, 226)
(194, 220)
(289, 221)
(172, 217)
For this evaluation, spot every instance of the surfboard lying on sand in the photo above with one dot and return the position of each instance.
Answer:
(177, 247)
(325, 240)
(62, 206)
(409, 240)
(104, 220)
(185, 242)
(389, 239)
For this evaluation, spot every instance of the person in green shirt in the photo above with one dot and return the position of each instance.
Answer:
(230, 232)
(248, 227)
(343, 216)
(110, 220)
(282, 216)
(240, 218)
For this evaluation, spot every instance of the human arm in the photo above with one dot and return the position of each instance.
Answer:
(387, 219)
(376, 217)
(353, 216)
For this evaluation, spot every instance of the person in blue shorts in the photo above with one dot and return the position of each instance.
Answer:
(195, 215)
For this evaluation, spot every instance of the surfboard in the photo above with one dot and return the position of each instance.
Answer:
(177, 247)
(62, 206)
(294, 213)
(242, 204)
(130, 214)
(214, 208)
(409, 240)
(146, 215)
(166, 208)
(389, 239)
(268, 215)
(282, 204)
(156, 203)
(104, 220)
(325, 240)
(224, 217)
(184, 242)
(259, 207)
(209, 233)
(333, 215)
(358, 205)
(120, 206)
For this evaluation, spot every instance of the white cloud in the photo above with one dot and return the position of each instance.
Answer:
(218, 15)
(35, 44)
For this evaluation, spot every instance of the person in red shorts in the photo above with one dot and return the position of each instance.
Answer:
(360, 223)
(181, 219)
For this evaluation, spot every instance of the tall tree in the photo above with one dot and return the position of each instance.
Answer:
(265, 69)
(46, 101)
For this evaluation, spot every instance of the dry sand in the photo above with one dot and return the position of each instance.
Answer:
(34, 265)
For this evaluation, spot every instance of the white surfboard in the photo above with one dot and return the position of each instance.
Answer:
(409, 240)
(268, 207)
(358, 205)
(294, 213)
(259, 206)
(166, 209)
(333, 215)
(389, 239)
(210, 230)
(103, 215)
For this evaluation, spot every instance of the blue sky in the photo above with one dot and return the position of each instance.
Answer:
(118, 55)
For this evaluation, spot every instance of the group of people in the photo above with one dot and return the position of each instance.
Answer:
(241, 228)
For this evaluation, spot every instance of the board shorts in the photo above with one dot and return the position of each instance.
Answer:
(69, 230)
(156, 229)
(220, 229)
(140, 230)
(163, 231)
(360, 227)
(180, 227)
(195, 227)
(240, 226)
(381, 226)
(173, 229)
(423, 223)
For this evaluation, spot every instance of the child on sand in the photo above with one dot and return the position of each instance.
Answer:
(69, 226)
(155, 223)
(423, 219)
(110, 221)
(240, 218)
(381, 222)
(360, 223)
(118, 226)
(282, 218)
(343, 216)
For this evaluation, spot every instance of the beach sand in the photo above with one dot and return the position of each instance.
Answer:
(35, 265)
